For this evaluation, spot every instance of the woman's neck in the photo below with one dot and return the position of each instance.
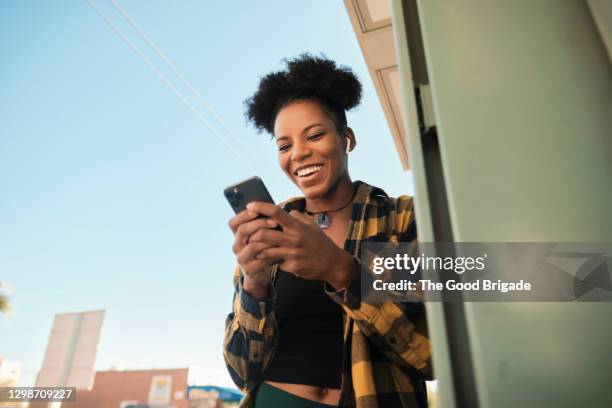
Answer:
(335, 199)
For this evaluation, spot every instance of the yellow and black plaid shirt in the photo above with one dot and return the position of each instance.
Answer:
(387, 354)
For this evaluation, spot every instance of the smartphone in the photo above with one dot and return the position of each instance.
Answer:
(240, 194)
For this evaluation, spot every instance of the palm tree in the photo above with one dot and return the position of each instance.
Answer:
(4, 302)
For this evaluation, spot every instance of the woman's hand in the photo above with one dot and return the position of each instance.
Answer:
(302, 248)
(256, 271)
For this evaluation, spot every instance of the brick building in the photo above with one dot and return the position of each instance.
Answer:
(117, 389)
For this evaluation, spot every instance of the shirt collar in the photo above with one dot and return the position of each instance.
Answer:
(364, 190)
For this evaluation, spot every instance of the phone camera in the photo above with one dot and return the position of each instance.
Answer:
(234, 197)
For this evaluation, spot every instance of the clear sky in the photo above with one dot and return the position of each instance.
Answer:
(111, 188)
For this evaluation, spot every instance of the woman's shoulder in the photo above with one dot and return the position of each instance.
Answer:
(291, 202)
(398, 204)
(403, 203)
(398, 211)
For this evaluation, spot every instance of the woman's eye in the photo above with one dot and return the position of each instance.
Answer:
(316, 136)
(283, 148)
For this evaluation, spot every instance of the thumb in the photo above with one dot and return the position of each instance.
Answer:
(301, 216)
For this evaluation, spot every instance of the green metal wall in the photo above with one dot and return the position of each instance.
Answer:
(522, 96)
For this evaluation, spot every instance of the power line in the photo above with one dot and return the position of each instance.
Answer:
(181, 77)
(172, 87)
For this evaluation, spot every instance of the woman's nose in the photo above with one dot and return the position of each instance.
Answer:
(300, 152)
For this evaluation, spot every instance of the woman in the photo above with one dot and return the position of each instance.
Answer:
(300, 334)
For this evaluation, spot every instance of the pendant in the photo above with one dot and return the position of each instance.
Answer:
(323, 220)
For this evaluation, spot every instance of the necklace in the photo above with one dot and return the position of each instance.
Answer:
(323, 219)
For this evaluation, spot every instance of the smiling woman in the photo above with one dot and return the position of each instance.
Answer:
(299, 334)
(312, 153)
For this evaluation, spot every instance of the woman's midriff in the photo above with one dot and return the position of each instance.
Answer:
(329, 396)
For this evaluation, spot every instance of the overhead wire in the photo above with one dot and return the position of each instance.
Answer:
(178, 74)
(171, 85)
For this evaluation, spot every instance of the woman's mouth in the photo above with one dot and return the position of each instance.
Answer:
(308, 172)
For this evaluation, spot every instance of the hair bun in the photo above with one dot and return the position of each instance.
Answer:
(305, 77)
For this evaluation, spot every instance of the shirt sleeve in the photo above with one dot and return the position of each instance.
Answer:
(397, 329)
(250, 335)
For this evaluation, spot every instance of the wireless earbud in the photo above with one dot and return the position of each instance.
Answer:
(348, 145)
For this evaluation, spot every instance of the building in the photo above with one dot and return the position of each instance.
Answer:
(9, 377)
(118, 389)
(371, 22)
(71, 350)
(9, 373)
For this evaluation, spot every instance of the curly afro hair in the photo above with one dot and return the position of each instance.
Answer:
(306, 77)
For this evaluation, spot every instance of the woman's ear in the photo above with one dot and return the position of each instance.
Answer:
(351, 142)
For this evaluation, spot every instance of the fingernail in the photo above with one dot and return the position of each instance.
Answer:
(271, 223)
(251, 213)
(249, 205)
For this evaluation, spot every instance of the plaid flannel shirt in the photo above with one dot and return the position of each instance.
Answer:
(387, 353)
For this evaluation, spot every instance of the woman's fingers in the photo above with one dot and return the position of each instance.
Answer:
(301, 216)
(275, 253)
(254, 268)
(269, 236)
(250, 250)
(241, 218)
(246, 230)
(272, 211)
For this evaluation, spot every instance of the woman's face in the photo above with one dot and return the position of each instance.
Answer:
(310, 150)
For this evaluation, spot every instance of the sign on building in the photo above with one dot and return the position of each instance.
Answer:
(161, 390)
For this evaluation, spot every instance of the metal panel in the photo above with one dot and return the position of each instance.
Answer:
(412, 72)
(602, 14)
(522, 94)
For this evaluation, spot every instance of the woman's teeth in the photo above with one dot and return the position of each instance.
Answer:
(308, 171)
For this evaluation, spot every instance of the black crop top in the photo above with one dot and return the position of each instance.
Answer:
(310, 334)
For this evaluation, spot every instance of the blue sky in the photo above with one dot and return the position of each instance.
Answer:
(111, 189)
